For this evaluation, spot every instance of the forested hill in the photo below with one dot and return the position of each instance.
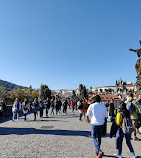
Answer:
(9, 86)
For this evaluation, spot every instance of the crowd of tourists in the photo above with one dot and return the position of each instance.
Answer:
(52, 105)
(124, 123)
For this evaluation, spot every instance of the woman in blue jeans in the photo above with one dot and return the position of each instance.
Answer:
(123, 113)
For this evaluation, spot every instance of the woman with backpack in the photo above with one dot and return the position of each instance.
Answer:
(134, 110)
(123, 117)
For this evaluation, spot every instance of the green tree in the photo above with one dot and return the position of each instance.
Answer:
(83, 92)
(44, 92)
(3, 93)
(17, 93)
(34, 94)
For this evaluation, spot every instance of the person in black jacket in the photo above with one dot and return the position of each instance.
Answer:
(65, 104)
(111, 110)
(47, 105)
(35, 106)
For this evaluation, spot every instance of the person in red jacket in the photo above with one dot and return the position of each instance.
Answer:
(72, 105)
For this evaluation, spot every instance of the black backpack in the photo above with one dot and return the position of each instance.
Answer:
(127, 125)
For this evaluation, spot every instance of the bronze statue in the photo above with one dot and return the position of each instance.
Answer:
(138, 64)
(138, 69)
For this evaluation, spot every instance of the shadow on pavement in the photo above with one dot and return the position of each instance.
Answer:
(110, 156)
(25, 131)
(45, 120)
(122, 157)
(8, 118)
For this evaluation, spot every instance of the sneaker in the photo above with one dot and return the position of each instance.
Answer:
(137, 139)
(99, 154)
(117, 155)
(102, 152)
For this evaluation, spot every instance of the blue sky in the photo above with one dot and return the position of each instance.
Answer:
(63, 43)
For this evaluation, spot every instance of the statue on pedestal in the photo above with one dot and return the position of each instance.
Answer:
(138, 64)
(138, 69)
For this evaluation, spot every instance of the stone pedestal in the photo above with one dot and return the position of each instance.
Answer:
(138, 85)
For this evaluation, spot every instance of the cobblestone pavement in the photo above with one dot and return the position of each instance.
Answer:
(54, 137)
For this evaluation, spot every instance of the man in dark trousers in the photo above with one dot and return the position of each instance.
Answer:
(98, 114)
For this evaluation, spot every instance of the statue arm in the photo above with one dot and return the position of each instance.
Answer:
(133, 50)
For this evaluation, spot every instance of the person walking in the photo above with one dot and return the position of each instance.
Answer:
(112, 110)
(25, 107)
(98, 114)
(47, 106)
(59, 105)
(41, 108)
(56, 105)
(80, 109)
(120, 117)
(133, 114)
(72, 105)
(52, 106)
(16, 109)
(84, 108)
(35, 106)
(138, 103)
(65, 104)
(2, 108)
(75, 104)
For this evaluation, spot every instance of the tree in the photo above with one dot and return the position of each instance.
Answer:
(44, 92)
(3, 93)
(17, 93)
(34, 94)
(28, 92)
(83, 92)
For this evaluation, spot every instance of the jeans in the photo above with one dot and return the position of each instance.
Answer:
(41, 111)
(96, 133)
(52, 110)
(120, 140)
(14, 114)
(47, 110)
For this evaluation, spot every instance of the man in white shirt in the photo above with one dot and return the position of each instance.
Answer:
(98, 114)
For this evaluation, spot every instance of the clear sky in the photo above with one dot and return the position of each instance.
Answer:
(63, 43)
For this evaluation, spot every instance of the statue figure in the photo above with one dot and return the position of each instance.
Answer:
(138, 64)
(138, 69)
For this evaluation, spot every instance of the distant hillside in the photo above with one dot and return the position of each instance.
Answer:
(9, 86)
